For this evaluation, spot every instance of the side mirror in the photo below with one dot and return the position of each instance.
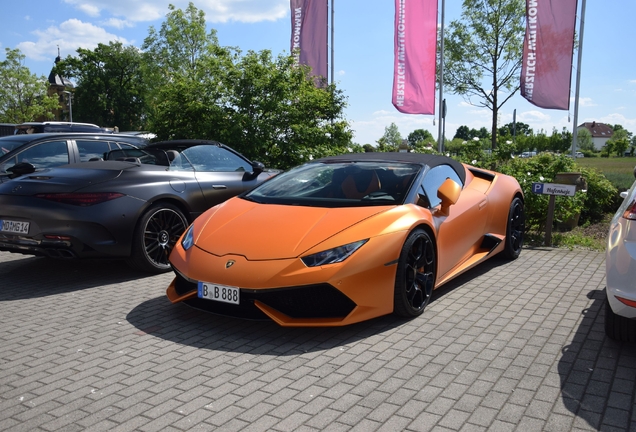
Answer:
(257, 168)
(20, 169)
(448, 192)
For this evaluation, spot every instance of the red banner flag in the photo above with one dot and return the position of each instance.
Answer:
(546, 72)
(309, 34)
(415, 55)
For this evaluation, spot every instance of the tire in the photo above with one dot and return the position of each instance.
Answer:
(617, 327)
(157, 231)
(415, 277)
(515, 229)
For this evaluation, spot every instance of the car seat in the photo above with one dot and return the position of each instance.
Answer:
(360, 184)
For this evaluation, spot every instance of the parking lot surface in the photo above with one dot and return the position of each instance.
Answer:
(507, 346)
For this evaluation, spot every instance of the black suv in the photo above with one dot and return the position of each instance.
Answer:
(44, 150)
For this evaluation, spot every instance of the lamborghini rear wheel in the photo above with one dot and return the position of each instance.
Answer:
(156, 234)
(415, 278)
(514, 230)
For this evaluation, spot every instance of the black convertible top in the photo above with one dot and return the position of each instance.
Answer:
(418, 158)
(184, 143)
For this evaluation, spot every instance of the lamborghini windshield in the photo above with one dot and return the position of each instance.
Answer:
(342, 184)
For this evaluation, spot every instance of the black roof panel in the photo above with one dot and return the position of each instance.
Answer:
(430, 160)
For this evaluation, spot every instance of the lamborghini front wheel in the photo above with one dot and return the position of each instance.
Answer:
(415, 276)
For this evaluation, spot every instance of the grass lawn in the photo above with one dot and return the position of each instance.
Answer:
(618, 170)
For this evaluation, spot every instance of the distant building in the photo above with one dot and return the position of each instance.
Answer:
(57, 86)
(600, 132)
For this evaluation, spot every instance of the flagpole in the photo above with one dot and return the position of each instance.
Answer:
(333, 33)
(440, 139)
(578, 82)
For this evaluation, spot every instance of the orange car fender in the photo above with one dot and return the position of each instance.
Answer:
(501, 194)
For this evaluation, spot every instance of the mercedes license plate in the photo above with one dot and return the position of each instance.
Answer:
(14, 227)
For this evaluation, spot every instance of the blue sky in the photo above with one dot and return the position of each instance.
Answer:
(363, 54)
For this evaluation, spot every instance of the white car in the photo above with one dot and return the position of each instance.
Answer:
(620, 268)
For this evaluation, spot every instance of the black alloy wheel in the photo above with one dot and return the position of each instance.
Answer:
(515, 229)
(157, 232)
(415, 278)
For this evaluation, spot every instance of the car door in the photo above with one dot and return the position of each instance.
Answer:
(220, 172)
(42, 155)
(89, 149)
(463, 227)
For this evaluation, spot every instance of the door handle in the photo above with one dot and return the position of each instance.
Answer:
(219, 187)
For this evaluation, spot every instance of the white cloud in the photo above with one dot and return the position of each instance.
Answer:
(68, 36)
(117, 23)
(584, 102)
(533, 116)
(89, 9)
(218, 11)
(616, 118)
(381, 113)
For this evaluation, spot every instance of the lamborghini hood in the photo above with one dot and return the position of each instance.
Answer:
(266, 231)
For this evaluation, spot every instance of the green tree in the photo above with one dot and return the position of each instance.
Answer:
(111, 88)
(182, 45)
(454, 146)
(368, 148)
(541, 141)
(391, 139)
(483, 54)
(482, 133)
(23, 95)
(463, 132)
(187, 71)
(560, 142)
(419, 135)
(263, 106)
(519, 129)
(277, 114)
(620, 140)
(421, 141)
(584, 140)
(608, 148)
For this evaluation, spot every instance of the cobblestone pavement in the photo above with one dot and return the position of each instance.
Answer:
(507, 346)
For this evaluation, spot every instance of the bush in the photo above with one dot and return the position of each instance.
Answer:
(589, 153)
(601, 197)
(543, 169)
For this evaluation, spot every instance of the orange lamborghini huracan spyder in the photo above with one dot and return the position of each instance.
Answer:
(347, 238)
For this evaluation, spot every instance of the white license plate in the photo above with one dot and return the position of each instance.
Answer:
(222, 293)
(14, 226)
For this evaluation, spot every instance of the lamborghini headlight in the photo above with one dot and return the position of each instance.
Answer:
(334, 255)
(188, 238)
